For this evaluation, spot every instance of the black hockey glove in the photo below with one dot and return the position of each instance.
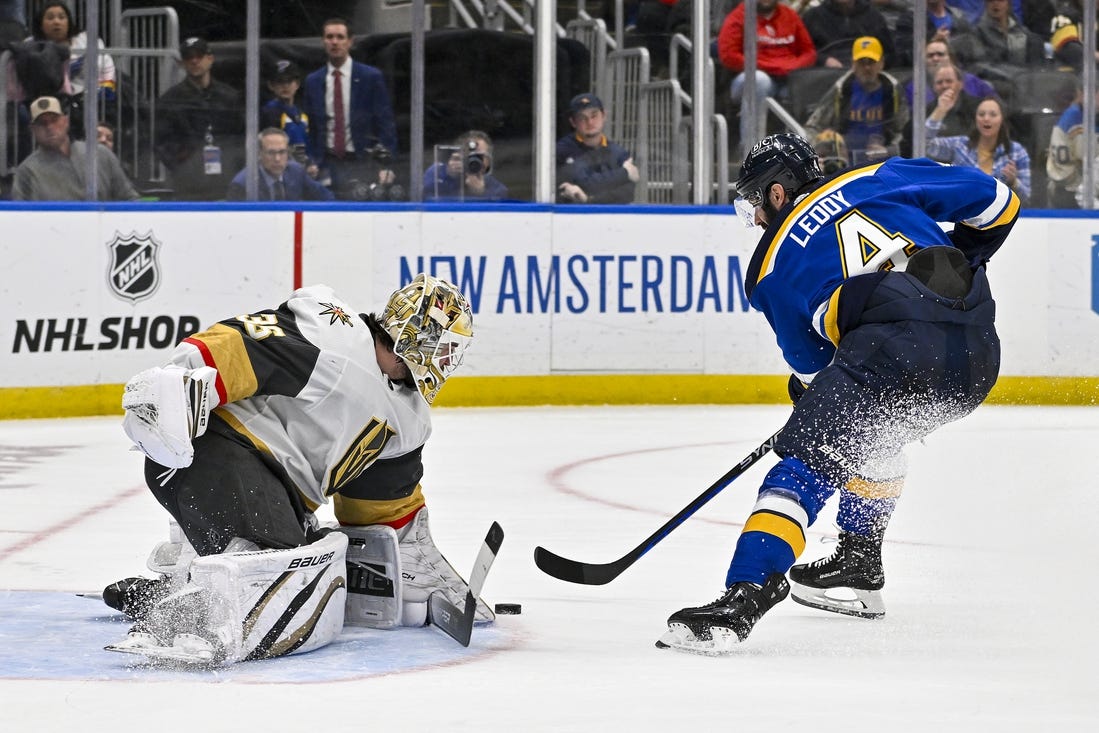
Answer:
(796, 388)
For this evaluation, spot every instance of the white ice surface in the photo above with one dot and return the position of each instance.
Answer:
(990, 565)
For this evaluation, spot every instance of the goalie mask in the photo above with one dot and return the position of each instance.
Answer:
(431, 325)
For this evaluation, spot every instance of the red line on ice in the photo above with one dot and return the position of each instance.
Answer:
(72, 521)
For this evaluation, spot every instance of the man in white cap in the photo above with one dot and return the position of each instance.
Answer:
(55, 171)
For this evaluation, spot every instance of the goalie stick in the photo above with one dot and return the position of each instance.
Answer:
(455, 622)
(574, 571)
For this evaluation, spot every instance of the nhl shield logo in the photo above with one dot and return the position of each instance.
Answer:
(134, 272)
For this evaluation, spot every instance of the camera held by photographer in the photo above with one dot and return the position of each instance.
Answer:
(463, 171)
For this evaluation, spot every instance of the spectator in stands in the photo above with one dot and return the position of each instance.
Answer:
(649, 22)
(832, 151)
(998, 46)
(352, 133)
(987, 146)
(681, 17)
(13, 21)
(651, 16)
(55, 171)
(1066, 32)
(865, 106)
(892, 10)
(104, 134)
(280, 178)
(53, 21)
(466, 174)
(590, 168)
(1065, 162)
(953, 107)
(937, 54)
(283, 112)
(1032, 14)
(944, 22)
(974, 8)
(835, 24)
(200, 128)
(783, 44)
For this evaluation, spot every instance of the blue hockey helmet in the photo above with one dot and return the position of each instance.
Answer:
(783, 158)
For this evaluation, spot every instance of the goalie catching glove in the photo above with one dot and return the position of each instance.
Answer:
(166, 407)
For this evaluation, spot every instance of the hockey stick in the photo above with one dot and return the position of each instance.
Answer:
(574, 571)
(458, 623)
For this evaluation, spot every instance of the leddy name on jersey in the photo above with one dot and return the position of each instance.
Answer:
(818, 215)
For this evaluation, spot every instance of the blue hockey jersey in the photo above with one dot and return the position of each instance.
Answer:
(862, 221)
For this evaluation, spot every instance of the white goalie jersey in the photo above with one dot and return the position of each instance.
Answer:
(301, 382)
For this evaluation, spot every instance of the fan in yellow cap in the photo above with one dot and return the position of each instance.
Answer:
(866, 47)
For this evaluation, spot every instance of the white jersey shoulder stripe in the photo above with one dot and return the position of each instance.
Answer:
(1005, 203)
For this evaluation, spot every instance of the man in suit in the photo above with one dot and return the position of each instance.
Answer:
(280, 179)
(349, 118)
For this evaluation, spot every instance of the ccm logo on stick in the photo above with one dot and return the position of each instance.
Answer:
(306, 562)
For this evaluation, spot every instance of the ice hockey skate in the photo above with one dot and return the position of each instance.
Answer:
(718, 627)
(847, 582)
(177, 629)
(135, 596)
(425, 570)
(169, 560)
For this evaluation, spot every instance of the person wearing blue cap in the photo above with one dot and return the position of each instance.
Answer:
(590, 168)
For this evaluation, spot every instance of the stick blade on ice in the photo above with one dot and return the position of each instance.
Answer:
(572, 571)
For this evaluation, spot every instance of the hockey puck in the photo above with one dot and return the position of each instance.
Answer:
(508, 609)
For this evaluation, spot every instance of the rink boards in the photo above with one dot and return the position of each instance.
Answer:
(574, 305)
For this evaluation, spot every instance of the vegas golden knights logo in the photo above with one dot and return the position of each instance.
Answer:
(360, 455)
(134, 272)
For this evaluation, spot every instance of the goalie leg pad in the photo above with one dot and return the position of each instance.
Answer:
(239, 606)
(374, 594)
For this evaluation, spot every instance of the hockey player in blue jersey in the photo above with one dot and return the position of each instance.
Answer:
(887, 322)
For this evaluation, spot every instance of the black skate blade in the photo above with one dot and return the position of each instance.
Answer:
(93, 595)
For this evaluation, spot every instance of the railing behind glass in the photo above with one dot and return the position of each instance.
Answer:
(593, 34)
